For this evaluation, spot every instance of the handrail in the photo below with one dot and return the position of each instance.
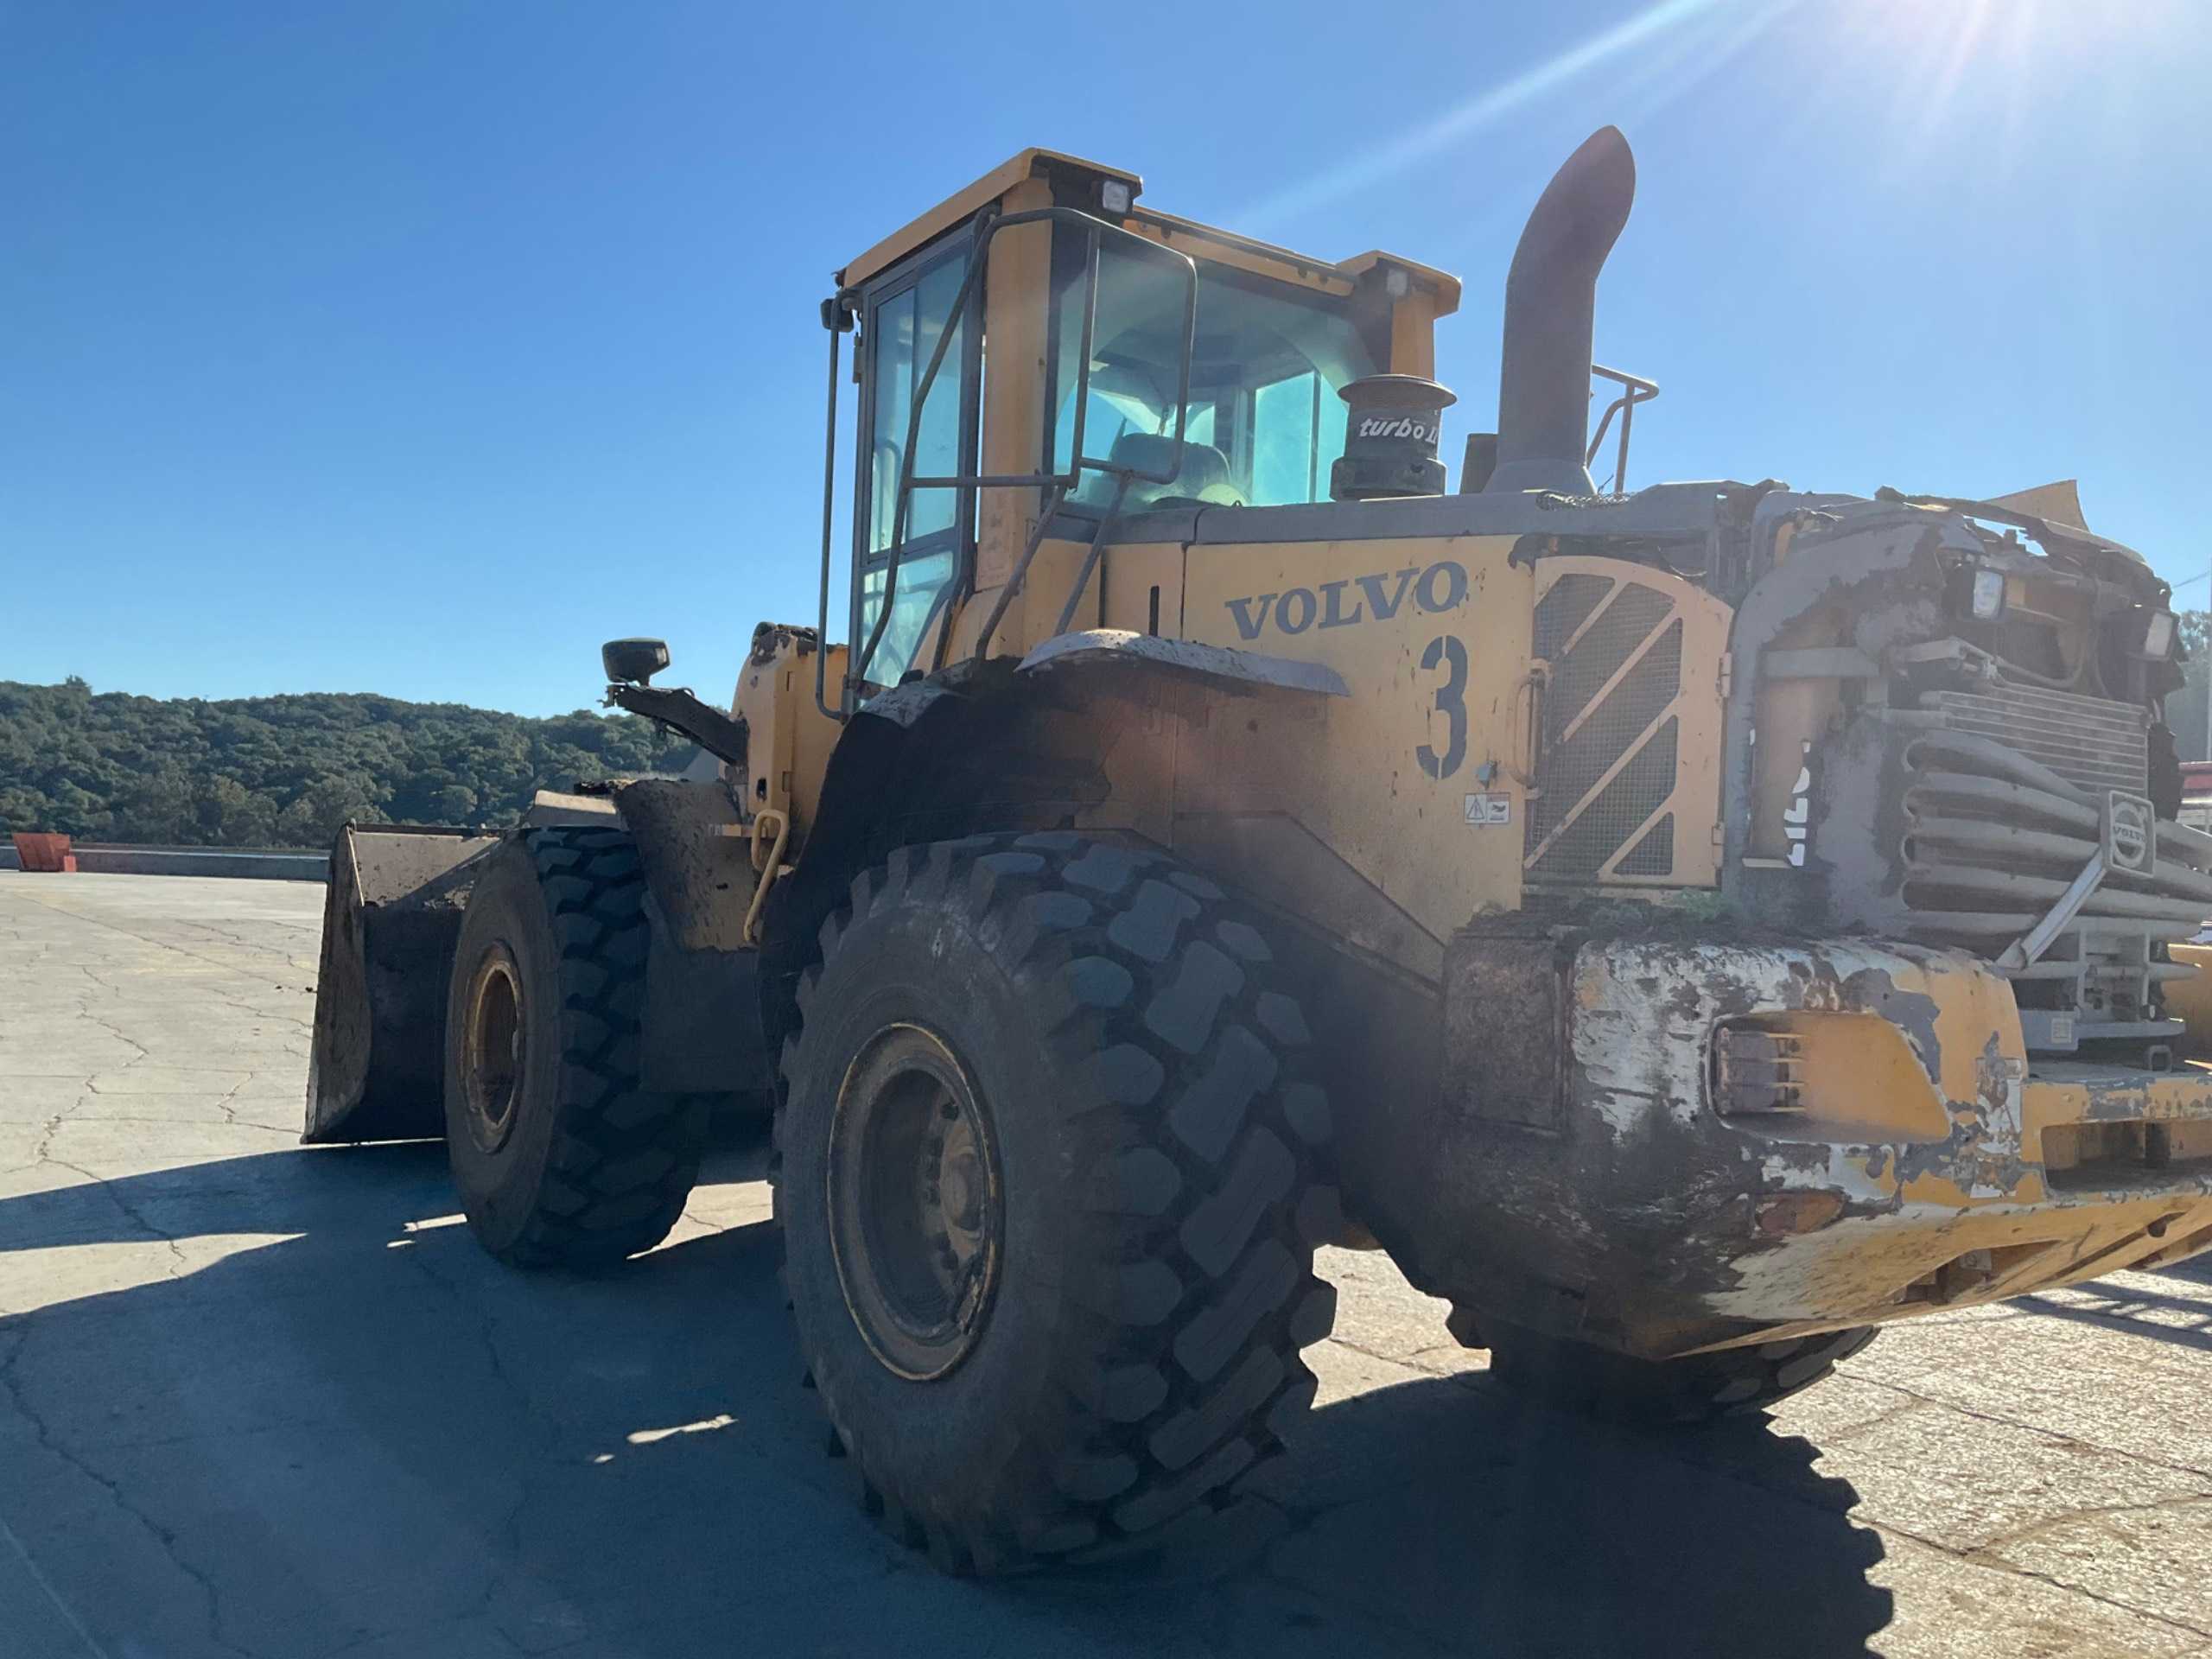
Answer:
(836, 317)
(1099, 539)
(1636, 390)
(1055, 494)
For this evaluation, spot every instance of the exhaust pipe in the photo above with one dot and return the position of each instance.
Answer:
(1543, 382)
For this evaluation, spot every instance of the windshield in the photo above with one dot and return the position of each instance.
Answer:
(1265, 421)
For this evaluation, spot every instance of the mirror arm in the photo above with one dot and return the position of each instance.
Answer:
(721, 735)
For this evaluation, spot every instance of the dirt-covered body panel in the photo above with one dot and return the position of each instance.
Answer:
(1752, 1140)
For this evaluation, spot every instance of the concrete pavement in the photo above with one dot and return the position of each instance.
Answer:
(257, 1399)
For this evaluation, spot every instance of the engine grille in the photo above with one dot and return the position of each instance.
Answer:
(2093, 744)
(2005, 797)
(1610, 726)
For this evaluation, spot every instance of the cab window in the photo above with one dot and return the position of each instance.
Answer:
(902, 322)
(1265, 421)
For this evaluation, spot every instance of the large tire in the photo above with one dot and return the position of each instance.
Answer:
(562, 1157)
(1133, 1098)
(1731, 1382)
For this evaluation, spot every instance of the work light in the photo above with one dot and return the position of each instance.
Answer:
(1988, 594)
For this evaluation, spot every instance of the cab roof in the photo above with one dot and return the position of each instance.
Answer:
(964, 204)
(1035, 162)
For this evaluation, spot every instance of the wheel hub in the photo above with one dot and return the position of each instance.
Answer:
(491, 1049)
(916, 1213)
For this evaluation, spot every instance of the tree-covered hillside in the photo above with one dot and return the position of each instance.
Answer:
(288, 770)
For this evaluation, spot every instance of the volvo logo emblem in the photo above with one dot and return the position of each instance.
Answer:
(2129, 843)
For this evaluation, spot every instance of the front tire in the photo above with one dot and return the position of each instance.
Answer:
(562, 1157)
(1050, 1192)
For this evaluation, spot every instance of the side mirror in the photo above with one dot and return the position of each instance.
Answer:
(632, 662)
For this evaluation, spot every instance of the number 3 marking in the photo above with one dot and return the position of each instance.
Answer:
(1451, 702)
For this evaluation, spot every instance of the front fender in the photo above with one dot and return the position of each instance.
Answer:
(1116, 660)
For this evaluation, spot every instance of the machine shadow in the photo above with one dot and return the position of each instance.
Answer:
(2197, 1268)
(357, 1429)
(2180, 1321)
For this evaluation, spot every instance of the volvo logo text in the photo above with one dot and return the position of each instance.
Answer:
(1442, 587)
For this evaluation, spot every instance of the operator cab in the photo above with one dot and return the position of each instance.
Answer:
(1134, 361)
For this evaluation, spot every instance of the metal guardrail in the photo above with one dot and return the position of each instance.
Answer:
(262, 863)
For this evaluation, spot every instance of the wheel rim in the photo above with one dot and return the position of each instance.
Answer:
(491, 1049)
(916, 1211)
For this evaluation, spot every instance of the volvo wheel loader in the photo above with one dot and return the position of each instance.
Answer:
(1689, 927)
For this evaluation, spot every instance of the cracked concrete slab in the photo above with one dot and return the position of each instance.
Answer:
(116, 1144)
(174, 1107)
(1947, 1608)
(1913, 1467)
(1378, 1314)
(37, 1100)
(2148, 1553)
(169, 1079)
(270, 1401)
(34, 1100)
(29, 1052)
(2085, 1365)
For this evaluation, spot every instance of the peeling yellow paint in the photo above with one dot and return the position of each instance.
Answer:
(1909, 1173)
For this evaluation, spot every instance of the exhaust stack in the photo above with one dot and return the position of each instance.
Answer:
(1543, 382)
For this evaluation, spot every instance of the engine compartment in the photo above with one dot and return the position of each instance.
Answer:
(1953, 734)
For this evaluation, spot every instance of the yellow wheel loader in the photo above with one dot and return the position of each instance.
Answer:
(1689, 927)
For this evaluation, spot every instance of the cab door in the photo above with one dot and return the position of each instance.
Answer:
(916, 541)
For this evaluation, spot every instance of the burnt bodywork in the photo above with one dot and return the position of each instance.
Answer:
(2002, 784)
(1948, 837)
(1923, 1164)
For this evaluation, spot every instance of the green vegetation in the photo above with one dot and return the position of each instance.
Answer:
(288, 770)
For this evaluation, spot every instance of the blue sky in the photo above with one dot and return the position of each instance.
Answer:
(418, 348)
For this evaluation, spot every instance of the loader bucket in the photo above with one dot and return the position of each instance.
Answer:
(389, 922)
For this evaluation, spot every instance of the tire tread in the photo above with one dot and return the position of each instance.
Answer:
(623, 1159)
(1698, 1389)
(1179, 1364)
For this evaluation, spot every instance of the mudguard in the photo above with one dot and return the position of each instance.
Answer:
(1116, 655)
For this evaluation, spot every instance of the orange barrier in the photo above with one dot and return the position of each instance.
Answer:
(46, 852)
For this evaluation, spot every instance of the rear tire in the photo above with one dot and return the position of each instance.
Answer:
(1050, 1192)
(1731, 1382)
(562, 1157)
